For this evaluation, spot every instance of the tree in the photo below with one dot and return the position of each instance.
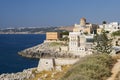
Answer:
(104, 22)
(86, 33)
(64, 33)
(116, 33)
(103, 43)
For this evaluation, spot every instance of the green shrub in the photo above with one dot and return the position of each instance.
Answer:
(55, 44)
(94, 67)
(64, 33)
(116, 33)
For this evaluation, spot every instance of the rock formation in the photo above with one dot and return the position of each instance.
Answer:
(46, 50)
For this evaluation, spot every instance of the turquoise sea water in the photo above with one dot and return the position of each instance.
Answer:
(10, 44)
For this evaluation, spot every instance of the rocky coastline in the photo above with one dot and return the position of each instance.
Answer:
(26, 74)
(45, 50)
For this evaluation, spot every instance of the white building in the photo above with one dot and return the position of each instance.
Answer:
(85, 27)
(80, 44)
(111, 27)
(75, 42)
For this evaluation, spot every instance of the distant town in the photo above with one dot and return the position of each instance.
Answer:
(90, 28)
(34, 30)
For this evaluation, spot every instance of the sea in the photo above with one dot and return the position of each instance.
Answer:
(10, 45)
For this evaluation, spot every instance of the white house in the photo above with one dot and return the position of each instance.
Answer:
(75, 43)
(80, 44)
(111, 27)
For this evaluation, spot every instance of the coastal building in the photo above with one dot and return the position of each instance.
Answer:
(76, 43)
(110, 27)
(80, 44)
(85, 27)
(52, 36)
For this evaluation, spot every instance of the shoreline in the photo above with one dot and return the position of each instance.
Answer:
(43, 50)
(22, 33)
(17, 65)
(46, 50)
(26, 74)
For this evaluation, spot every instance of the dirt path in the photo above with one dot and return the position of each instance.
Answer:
(115, 70)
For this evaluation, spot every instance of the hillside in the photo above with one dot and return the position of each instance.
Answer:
(94, 67)
(67, 28)
(34, 30)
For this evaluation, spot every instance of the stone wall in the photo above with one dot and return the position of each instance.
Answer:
(45, 64)
(51, 63)
(67, 61)
(64, 48)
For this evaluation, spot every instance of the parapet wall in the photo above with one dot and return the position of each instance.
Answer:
(66, 61)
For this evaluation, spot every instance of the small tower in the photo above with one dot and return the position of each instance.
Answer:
(82, 21)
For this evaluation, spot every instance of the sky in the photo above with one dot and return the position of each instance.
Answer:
(45, 13)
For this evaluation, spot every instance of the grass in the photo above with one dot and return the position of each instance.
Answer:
(116, 33)
(51, 75)
(55, 44)
(94, 67)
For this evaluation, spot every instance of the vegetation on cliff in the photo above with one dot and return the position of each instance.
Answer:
(116, 33)
(50, 75)
(93, 67)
